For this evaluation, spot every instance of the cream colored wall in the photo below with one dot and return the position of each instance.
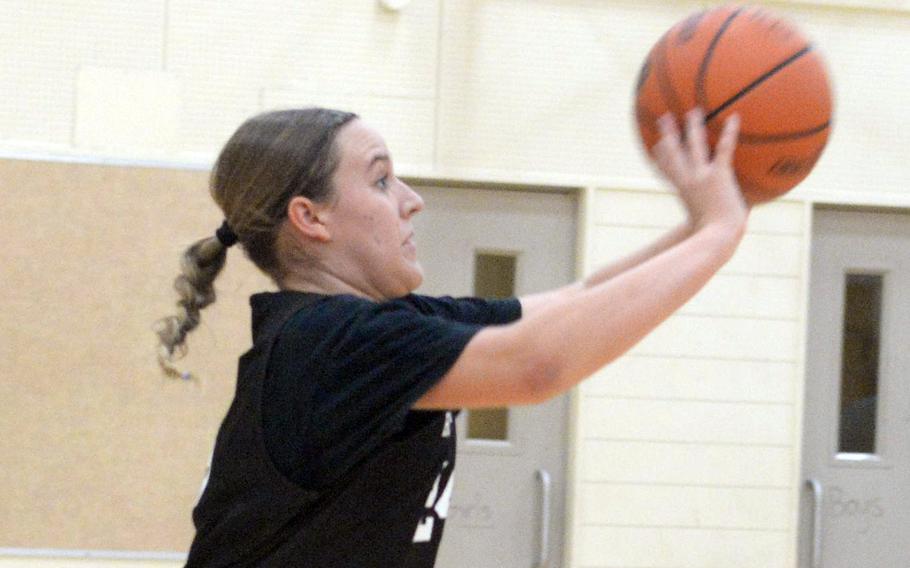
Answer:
(867, 51)
(688, 444)
(63, 562)
(687, 450)
(508, 89)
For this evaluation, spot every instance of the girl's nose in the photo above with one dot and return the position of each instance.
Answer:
(411, 202)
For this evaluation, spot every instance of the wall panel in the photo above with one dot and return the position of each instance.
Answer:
(44, 45)
(232, 57)
(658, 506)
(102, 451)
(607, 547)
(709, 422)
(660, 378)
(692, 434)
(720, 465)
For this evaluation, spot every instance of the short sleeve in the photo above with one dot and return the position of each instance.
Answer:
(469, 310)
(350, 370)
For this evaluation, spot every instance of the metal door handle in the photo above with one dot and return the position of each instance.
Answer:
(545, 483)
(815, 561)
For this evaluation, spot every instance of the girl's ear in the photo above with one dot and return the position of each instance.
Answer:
(308, 218)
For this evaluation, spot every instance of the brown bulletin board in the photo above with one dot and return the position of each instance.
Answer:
(98, 450)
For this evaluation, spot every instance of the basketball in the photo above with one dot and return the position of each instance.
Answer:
(745, 60)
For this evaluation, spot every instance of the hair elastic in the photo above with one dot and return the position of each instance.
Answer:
(225, 235)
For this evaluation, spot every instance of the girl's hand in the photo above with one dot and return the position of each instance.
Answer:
(706, 186)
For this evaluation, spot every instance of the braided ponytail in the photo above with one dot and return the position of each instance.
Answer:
(199, 266)
(271, 158)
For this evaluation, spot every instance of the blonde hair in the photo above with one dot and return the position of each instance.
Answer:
(271, 158)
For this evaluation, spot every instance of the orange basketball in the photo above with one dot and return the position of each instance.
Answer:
(745, 60)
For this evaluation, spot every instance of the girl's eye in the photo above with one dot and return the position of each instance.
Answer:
(383, 183)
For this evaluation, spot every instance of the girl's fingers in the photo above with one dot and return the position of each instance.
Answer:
(695, 136)
(669, 163)
(668, 151)
(667, 124)
(727, 143)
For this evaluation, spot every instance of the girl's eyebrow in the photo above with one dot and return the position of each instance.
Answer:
(378, 158)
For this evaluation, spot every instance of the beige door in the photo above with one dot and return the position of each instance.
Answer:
(855, 510)
(507, 507)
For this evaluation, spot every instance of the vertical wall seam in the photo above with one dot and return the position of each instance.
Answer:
(437, 94)
(799, 387)
(164, 33)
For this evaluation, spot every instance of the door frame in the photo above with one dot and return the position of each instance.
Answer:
(584, 196)
(801, 512)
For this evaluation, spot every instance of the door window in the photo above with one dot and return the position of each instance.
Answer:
(494, 277)
(860, 363)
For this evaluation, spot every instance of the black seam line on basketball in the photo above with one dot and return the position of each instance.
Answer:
(700, 97)
(771, 138)
(751, 86)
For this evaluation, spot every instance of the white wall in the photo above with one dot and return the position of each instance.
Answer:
(688, 443)
(505, 89)
(687, 448)
(51, 561)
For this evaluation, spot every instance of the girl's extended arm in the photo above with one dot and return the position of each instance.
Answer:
(575, 330)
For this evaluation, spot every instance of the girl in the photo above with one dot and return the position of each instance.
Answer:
(339, 444)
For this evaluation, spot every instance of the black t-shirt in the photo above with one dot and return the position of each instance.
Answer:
(320, 460)
(346, 371)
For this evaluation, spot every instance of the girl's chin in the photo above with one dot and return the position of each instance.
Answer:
(417, 271)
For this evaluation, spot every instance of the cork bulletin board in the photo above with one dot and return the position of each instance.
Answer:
(98, 450)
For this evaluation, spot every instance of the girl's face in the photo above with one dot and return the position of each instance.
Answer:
(370, 219)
